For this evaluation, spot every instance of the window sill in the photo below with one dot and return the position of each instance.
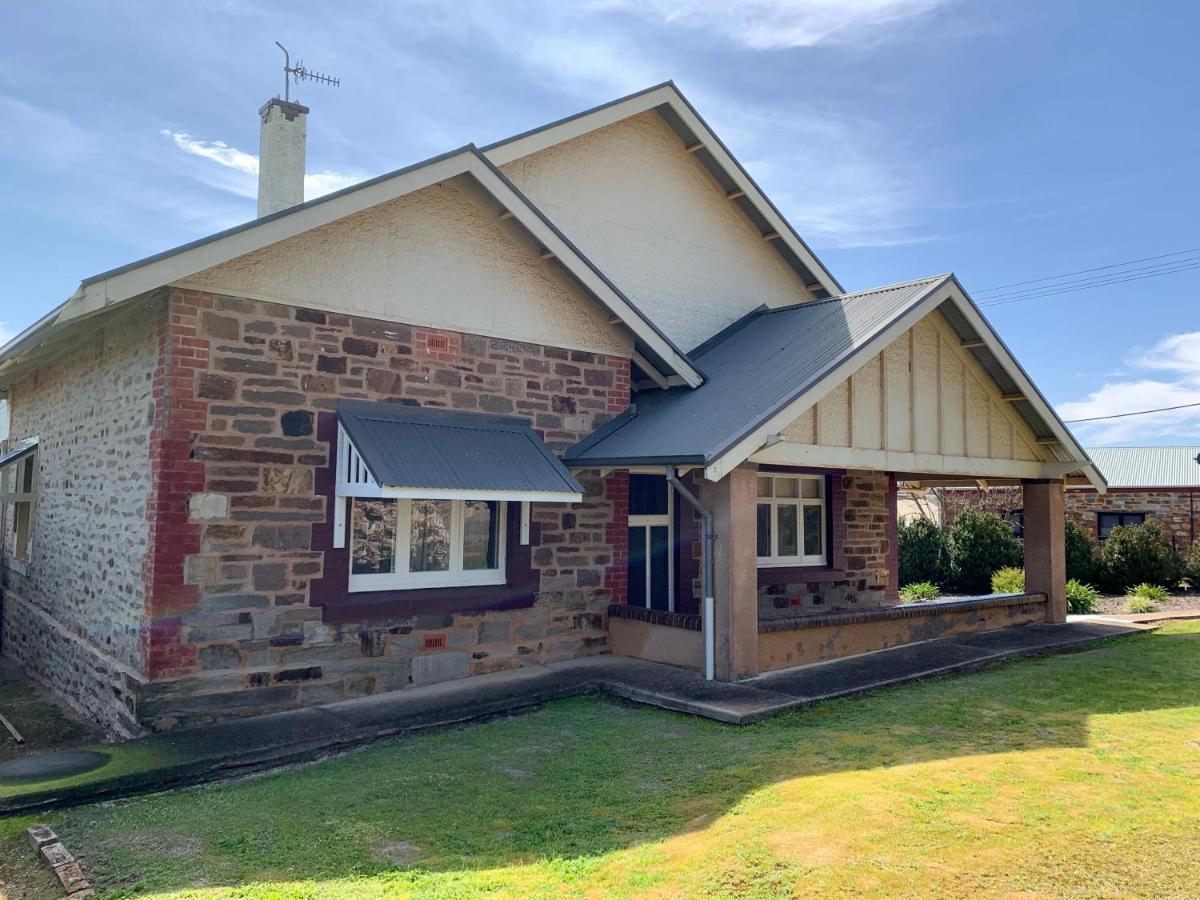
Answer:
(366, 584)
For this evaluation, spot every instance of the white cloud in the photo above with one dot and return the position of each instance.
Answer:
(1178, 358)
(239, 169)
(780, 24)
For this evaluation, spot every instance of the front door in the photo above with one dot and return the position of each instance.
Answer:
(651, 537)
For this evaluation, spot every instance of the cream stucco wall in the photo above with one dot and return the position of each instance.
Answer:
(924, 394)
(649, 215)
(438, 257)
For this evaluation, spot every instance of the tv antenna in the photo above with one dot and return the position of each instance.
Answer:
(299, 73)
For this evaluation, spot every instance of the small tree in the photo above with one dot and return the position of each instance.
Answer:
(922, 551)
(979, 543)
(1082, 551)
(1138, 554)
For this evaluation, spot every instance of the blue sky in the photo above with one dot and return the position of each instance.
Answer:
(1003, 141)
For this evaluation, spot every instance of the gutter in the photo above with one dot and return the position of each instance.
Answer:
(710, 538)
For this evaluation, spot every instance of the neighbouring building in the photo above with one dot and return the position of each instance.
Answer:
(1145, 484)
(580, 391)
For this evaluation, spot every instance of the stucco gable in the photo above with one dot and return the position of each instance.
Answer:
(639, 204)
(437, 257)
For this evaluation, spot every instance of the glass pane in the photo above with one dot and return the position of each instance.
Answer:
(787, 530)
(660, 559)
(764, 486)
(429, 548)
(372, 536)
(786, 487)
(647, 495)
(637, 566)
(810, 488)
(481, 534)
(764, 529)
(813, 522)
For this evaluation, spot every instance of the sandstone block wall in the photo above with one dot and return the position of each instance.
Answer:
(73, 615)
(234, 628)
(1178, 512)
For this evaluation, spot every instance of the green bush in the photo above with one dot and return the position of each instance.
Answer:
(1081, 598)
(1009, 580)
(1082, 551)
(978, 544)
(918, 591)
(1150, 592)
(1133, 554)
(922, 551)
(1140, 605)
(1191, 565)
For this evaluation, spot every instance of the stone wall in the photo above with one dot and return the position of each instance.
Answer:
(73, 614)
(1177, 511)
(862, 566)
(242, 621)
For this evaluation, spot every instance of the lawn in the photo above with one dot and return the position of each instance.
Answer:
(1074, 775)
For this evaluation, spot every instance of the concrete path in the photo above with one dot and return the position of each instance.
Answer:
(211, 752)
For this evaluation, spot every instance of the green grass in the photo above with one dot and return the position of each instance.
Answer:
(1073, 775)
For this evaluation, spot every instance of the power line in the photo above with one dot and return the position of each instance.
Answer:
(1086, 271)
(1141, 412)
(1072, 287)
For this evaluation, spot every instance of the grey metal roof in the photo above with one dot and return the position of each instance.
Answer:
(755, 368)
(423, 447)
(20, 453)
(1153, 467)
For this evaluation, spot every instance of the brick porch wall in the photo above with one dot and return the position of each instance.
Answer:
(238, 463)
(1177, 511)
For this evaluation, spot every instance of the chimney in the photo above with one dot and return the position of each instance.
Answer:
(281, 156)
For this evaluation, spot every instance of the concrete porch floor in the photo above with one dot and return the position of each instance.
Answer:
(238, 746)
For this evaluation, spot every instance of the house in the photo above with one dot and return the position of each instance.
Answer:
(1146, 484)
(581, 391)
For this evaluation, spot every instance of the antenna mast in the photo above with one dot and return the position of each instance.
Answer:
(299, 73)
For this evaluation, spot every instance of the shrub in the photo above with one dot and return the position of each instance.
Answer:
(1009, 580)
(1191, 565)
(1081, 598)
(1082, 551)
(978, 544)
(1149, 592)
(1139, 605)
(1133, 554)
(922, 551)
(918, 591)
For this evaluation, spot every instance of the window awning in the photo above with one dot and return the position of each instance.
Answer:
(390, 450)
(14, 456)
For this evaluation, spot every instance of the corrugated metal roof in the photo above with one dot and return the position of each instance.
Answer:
(755, 368)
(19, 453)
(1148, 466)
(423, 447)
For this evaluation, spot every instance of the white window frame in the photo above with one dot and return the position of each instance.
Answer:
(658, 521)
(800, 502)
(14, 498)
(455, 576)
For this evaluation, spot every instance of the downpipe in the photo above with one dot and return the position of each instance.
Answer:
(706, 569)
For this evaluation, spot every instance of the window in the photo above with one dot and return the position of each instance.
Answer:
(397, 544)
(1107, 521)
(17, 491)
(791, 520)
(651, 537)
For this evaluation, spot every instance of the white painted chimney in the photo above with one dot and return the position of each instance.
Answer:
(281, 156)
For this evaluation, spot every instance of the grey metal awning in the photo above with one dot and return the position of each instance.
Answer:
(390, 450)
(17, 455)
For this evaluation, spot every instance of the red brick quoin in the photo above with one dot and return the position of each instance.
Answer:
(178, 416)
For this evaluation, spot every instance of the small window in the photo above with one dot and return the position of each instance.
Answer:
(791, 520)
(1107, 521)
(17, 482)
(399, 544)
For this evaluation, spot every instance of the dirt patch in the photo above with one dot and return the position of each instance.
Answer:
(399, 853)
(1111, 604)
(22, 876)
(44, 722)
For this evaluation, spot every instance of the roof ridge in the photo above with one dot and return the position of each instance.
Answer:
(875, 290)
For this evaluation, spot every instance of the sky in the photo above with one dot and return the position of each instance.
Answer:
(1006, 142)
